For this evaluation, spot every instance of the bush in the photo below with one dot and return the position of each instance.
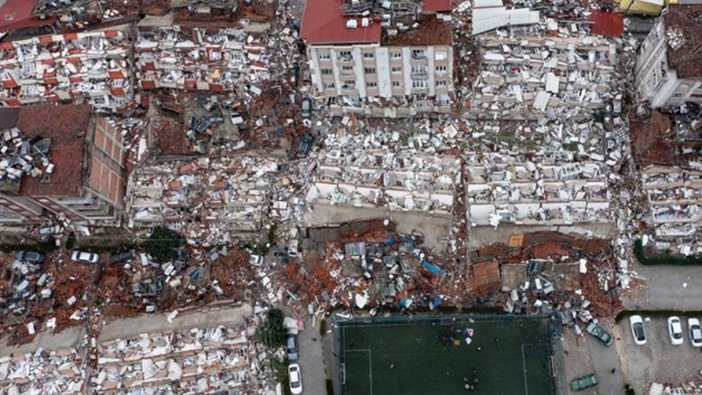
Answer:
(272, 332)
(162, 244)
(664, 259)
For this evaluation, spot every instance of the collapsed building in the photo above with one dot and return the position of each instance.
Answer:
(189, 361)
(48, 372)
(668, 71)
(198, 57)
(70, 164)
(213, 199)
(675, 199)
(536, 193)
(532, 72)
(86, 67)
(380, 58)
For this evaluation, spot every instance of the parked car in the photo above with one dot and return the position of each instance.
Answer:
(256, 260)
(121, 257)
(693, 325)
(306, 108)
(675, 331)
(30, 256)
(637, 329)
(295, 378)
(581, 383)
(291, 347)
(305, 145)
(597, 331)
(85, 257)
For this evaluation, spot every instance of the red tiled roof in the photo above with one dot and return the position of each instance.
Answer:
(607, 23)
(436, 5)
(66, 126)
(687, 59)
(17, 14)
(324, 23)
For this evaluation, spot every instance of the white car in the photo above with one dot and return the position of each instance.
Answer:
(85, 257)
(693, 325)
(675, 331)
(295, 378)
(637, 329)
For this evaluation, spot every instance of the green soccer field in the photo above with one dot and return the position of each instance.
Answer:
(506, 356)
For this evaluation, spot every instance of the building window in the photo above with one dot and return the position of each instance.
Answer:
(396, 69)
(348, 84)
(397, 55)
(368, 55)
(440, 55)
(419, 69)
(324, 56)
(441, 83)
(418, 53)
(345, 55)
(369, 70)
(326, 71)
(329, 85)
(441, 69)
(419, 84)
(371, 84)
(346, 68)
(396, 84)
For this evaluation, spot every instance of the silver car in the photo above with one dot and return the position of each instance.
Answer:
(85, 257)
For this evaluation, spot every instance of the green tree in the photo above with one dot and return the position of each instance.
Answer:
(272, 332)
(162, 244)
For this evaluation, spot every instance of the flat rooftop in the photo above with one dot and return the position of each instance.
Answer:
(683, 24)
(324, 22)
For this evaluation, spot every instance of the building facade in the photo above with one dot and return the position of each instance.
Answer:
(380, 65)
(669, 64)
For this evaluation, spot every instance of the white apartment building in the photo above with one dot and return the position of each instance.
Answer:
(380, 65)
(669, 65)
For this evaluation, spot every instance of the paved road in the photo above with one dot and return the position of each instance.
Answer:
(312, 359)
(667, 288)
(604, 360)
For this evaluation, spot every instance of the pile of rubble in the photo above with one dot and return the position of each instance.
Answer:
(20, 156)
(72, 67)
(55, 372)
(196, 360)
(205, 199)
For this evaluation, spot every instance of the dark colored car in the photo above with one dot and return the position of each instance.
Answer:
(305, 144)
(30, 256)
(597, 331)
(584, 382)
(291, 347)
(121, 257)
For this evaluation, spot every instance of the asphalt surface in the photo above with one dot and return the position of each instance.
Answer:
(657, 360)
(667, 288)
(311, 359)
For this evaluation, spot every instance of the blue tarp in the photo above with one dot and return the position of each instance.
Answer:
(433, 268)
(389, 242)
(406, 303)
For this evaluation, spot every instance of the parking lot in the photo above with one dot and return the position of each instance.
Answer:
(657, 360)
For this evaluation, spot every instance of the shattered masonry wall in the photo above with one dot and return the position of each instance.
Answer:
(67, 67)
(527, 193)
(675, 200)
(227, 194)
(196, 59)
(401, 181)
(55, 372)
(199, 360)
(525, 76)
